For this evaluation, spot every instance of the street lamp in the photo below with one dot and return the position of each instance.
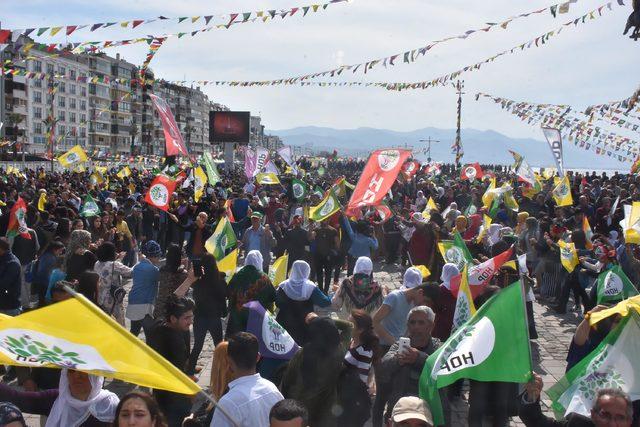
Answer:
(429, 141)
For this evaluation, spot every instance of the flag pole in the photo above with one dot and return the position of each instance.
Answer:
(526, 318)
(212, 400)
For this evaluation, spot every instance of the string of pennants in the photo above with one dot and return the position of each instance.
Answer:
(548, 111)
(581, 132)
(623, 107)
(410, 57)
(230, 18)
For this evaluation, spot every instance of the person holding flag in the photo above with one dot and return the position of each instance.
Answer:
(362, 241)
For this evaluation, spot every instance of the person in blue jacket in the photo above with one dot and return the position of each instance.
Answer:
(362, 241)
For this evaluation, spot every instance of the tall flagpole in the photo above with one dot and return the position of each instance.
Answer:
(458, 144)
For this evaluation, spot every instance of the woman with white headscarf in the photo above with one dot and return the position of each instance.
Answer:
(446, 306)
(359, 291)
(248, 284)
(79, 401)
(295, 298)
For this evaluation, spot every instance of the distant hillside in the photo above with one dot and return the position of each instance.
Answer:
(479, 146)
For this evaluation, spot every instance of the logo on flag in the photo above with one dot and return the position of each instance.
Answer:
(470, 172)
(159, 194)
(612, 284)
(298, 190)
(454, 255)
(34, 348)
(388, 159)
(472, 347)
(328, 207)
(273, 340)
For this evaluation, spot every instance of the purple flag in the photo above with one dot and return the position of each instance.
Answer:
(273, 340)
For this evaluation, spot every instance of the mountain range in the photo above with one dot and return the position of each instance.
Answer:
(486, 147)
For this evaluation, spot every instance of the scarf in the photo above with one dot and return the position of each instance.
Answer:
(67, 411)
(298, 287)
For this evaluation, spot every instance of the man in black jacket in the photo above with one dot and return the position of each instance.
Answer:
(10, 280)
(171, 340)
(611, 407)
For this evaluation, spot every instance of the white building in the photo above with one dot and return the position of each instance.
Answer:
(69, 104)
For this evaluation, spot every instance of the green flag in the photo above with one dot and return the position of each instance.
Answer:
(300, 189)
(614, 286)
(455, 251)
(89, 207)
(223, 238)
(212, 170)
(613, 364)
(318, 192)
(327, 207)
(491, 346)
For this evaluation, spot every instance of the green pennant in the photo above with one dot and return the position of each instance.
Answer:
(212, 171)
(246, 16)
(180, 20)
(299, 189)
(42, 30)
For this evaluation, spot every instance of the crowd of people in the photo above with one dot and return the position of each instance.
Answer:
(363, 342)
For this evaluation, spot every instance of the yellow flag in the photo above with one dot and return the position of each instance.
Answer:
(124, 172)
(132, 188)
(631, 223)
(64, 335)
(73, 156)
(464, 309)
(95, 179)
(486, 222)
(228, 264)
(278, 271)
(424, 270)
(42, 201)
(199, 183)
(562, 193)
(102, 170)
(568, 255)
(623, 308)
(549, 173)
(487, 197)
(267, 178)
(431, 206)
(79, 168)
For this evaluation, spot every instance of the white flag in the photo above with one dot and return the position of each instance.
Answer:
(555, 143)
(262, 158)
(287, 155)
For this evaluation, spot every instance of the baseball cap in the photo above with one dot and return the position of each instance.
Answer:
(256, 215)
(411, 408)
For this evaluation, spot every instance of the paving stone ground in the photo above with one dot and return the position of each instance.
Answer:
(548, 352)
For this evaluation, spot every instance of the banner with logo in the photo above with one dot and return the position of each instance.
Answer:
(614, 285)
(199, 183)
(274, 342)
(300, 189)
(613, 364)
(223, 238)
(287, 155)
(17, 223)
(262, 158)
(326, 208)
(377, 178)
(555, 144)
(74, 156)
(472, 172)
(160, 191)
(492, 346)
(480, 275)
(173, 139)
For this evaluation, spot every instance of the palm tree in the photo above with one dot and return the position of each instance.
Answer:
(13, 120)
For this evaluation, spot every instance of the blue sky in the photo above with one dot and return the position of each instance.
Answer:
(588, 65)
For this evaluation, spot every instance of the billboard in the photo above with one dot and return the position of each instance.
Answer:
(229, 126)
